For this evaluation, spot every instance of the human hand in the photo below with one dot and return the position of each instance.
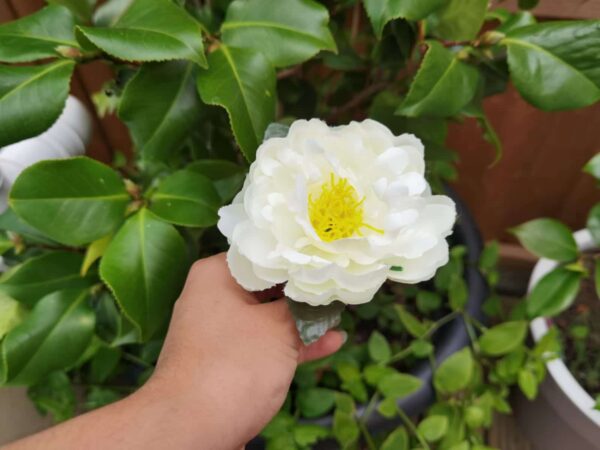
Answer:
(228, 360)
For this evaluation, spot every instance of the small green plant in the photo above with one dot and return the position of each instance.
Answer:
(97, 254)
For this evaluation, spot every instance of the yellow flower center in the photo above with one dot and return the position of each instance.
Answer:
(337, 212)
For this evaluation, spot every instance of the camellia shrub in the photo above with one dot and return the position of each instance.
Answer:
(96, 254)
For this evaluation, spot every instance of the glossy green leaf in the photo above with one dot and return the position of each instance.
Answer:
(433, 428)
(81, 8)
(396, 440)
(74, 201)
(454, 374)
(37, 36)
(315, 402)
(150, 30)
(145, 266)
(517, 20)
(53, 337)
(160, 105)
(243, 82)
(556, 65)
(547, 238)
(593, 167)
(442, 87)
(380, 12)
(379, 348)
(32, 98)
(459, 20)
(12, 314)
(503, 338)
(98, 397)
(9, 221)
(228, 177)
(186, 198)
(94, 252)
(39, 276)
(287, 33)
(103, 364)
(554, 293)
(54, 395)
(399, 385)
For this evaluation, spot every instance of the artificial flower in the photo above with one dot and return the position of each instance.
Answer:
(334, 212)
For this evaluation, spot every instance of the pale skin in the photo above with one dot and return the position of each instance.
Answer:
(224, 372)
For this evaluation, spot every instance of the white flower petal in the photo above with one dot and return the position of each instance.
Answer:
(242, 270)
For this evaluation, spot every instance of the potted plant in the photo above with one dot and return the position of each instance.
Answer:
(196, 83)
(563, 300)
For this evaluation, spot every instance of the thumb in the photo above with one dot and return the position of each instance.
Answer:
(325, 346)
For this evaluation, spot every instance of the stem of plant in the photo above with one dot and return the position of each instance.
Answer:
(411, 426)
(440, 323)
(136, 360)
(370, 407)
(368, 438)
(471, 332)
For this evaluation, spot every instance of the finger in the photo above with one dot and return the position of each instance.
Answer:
(212, 276)
(328, 344)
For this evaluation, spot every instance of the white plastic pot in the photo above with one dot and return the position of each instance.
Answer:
(563, 416)
(68, 137)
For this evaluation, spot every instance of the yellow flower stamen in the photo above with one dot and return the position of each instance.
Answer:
(337, 212)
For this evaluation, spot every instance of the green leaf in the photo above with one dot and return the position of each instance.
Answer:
(94, 252)
(398, 385)
(12, 314)
(74, 201)
(313, 322)
(459, 20)
(35, 97)
(186, 198)
(103, 364)
(593, 167)
(345, 428)
(442, 87)
(243, 82)
(428, 301)
(379, 348)
(37, 36)
(528, 4)
(421, 348)
(307, 435)
(433, 428)
(554, 293)
(54, 395)
(380, 12)
(145, 266)
(410, 322)
(528, 383)
(375, 373)
(81, 8)
(593, 223)
(160, 106)
(554, 65)
(396, 440)
(503, 338)
(489, 256)
(98, 397)
(458, 293)
(228, 177)
(150, 30)
(287, 33)
(315, 402)
(388, 408)
(53, 337)
(547, 238)
(39, 276)
(454, 374)
(9, 221)
(518, 20)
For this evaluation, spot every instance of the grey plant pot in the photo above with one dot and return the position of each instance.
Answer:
(563, 416)
(18, 416)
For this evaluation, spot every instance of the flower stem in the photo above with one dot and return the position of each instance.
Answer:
(411, 426)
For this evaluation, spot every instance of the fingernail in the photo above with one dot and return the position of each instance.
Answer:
(344, 337)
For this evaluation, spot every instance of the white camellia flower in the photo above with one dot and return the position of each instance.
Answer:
(333, 212)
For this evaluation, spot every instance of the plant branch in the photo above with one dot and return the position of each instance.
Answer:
(411, 426)
(357, 100)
